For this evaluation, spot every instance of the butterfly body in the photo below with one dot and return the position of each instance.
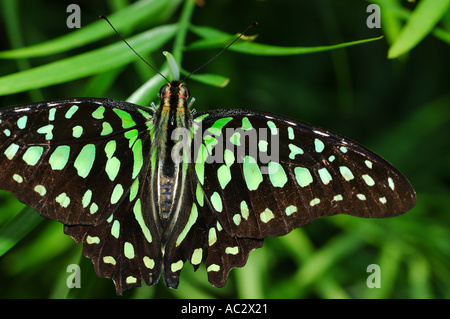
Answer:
(146, 190)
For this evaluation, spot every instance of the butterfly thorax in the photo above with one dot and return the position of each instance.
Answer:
(168, 176)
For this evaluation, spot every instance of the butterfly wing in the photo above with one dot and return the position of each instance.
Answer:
(80, 161)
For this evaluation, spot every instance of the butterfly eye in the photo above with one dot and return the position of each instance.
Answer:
(184, 91)
(164, 91)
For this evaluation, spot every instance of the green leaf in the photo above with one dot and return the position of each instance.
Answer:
(421, 22)
(94, 62)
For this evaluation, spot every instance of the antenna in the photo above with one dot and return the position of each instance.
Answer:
(104, 17)
(214, 57)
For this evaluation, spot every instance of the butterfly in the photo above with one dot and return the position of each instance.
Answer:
(147, 189)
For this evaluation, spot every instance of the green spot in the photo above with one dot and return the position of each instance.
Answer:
(115, 229)
(224, 175)
(331, 158)
(22, 122)
(138, 159)
(191, 221)
(109, 260)
(236, 138)
(106, 129)
(383, 200)
(17, 178)
(87, 197)
(92, 240)
(277, 175)
(291, 133)
(216, 201)
(93, 209)
(197, 256)
(85, 160)
(51, 114)
(262, 146)
(228, 157)
(369, 180)
(346, 173)
(295, 150)
(325, 176)
(63, 200)
(110, 148)
(116, 194)
(40, 189)
(338, 197)
(245, 212)
(11, 151)
(391, 183)
(112, 167)
(131, 280)
(98, 113)
(212, 236)
(47, 130)
(266, 215)
(343, 149)
(272, 127)
(148, 262)
(200, 163)
(33, 155)
(303, 176)
(232, 250)
(176, 266)
(137, 210)
(246, 125)
(368, 163)
(237, 219)
(131, 135)
(200, 195)
(59, 157)
(128, 250)
(319, 145)
(315, 201)
(71, 112)
(213, 267)
(77, 131)
(252, 173)
(216, 128)
(134, 189)
(361, 196)
(127, 120)
(290, 210)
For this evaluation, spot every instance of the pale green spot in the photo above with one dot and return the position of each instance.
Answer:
(85, 160)
(216, 128)
(369, 180)
(200, 164)
(40, 189)
(59, 157)
(212, 236)
(368, 163)
(237, 219)
(303, 176)
(138, 159)
(63, 200)
(228, 157)
(71, 112)
(131, 280)
(361, 196)
(314, 202)
(98, 113)
(191, 221)
(200, 195)
(92, 240)
(338, 197)
(343, 149)
(391, 183)
(197, 256)
(127, 120)
(331, 158)
(109, 260)
(106, 129)
(319, 145)
(128, 250)
(33, 155)
(115, 229)
(272, 127)
(11, 151)
(137, 210)
(216, 202)
(246, 125)
(7, 132)
(87, 197)
(325, 176)
(134, 189)
(295, 150)
(236, 138)
(252, 173)
(262, 145)
(346, 173)
(94, 208)
(266, 215)
(176, 266)
(213, 267)
(232, 250)
(148, 262)
(47, 130)
(131, 135)
(77, 131)
(22, 122)
(17, 178)
(290, 210)
(224, 176)
(51, 114)
(112, 167)
(116, 194)
(277, 175)
(245, 212)
(383, 200)
(291, 135)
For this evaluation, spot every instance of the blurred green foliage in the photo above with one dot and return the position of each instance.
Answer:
(398, 107)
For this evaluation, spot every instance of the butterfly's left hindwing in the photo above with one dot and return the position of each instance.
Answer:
(272, 174)
(80, 162)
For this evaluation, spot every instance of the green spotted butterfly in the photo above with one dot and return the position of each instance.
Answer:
(147, 189)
